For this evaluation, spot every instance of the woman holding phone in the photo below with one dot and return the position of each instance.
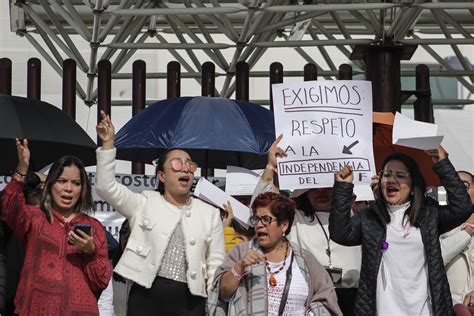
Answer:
(65, 269)
(176, 242)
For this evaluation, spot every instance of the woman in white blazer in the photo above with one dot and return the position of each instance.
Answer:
(176, 242)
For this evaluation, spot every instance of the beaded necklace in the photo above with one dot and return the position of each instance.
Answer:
(272, 280)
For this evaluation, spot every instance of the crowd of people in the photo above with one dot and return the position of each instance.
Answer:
(313, 252)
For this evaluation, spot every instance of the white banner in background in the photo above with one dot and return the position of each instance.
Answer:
(105, 213)
(326, 125)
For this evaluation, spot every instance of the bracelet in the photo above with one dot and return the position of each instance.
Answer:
(270, 167)
(19, 174)
(237, 274)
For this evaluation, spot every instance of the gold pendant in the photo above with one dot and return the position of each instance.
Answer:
(273, 282)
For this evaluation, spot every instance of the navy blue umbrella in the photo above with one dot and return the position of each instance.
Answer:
(215, 131)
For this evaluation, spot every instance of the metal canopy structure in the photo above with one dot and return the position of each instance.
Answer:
(190, 29)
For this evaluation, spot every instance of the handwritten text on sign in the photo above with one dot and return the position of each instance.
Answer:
(326, 125)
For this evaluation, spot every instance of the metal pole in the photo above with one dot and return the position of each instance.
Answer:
(208, 82)
(423, 106)
(138, 101)
(69, 87)
(174, 80)
(383, 69)
(33, 81)
(5, 76)
(345, 72)
(242, 81)
(276, 76)
(310, 72)
(104, 90)
(208, 79)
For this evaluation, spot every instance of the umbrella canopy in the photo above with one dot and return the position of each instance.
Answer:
(51, 134)
(215, 131)
(383, 147)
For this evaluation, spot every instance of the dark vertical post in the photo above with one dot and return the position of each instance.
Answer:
(310, 72)
(138, 101)
(33, 80)
(5, 76)
(242, 81)
(104, 90)
(69, 87)
(276, 76)
(174, 80)
(383, 69)
(208, 79)
(345, 72)
(382, 60)
(208, 84)
(423, 106)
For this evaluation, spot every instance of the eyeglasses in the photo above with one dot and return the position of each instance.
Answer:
(467, 184)
(178, 165)
(399, 175)
(265, 219)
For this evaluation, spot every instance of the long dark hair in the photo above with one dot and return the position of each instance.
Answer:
(85, 203)
(417, 197)
(304, 205)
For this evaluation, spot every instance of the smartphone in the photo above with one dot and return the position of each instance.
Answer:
(86, 228)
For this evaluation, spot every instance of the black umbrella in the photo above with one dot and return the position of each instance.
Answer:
(51, 134)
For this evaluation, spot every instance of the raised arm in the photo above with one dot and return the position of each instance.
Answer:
(14, 208)
(265, 183)
(344, 228)
(458, 209)
(119, 196)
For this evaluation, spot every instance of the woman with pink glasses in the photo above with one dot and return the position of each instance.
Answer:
(176, 241)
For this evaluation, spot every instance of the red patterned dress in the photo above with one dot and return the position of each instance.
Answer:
(57, 278)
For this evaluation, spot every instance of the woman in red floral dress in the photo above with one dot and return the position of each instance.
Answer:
(64, 270)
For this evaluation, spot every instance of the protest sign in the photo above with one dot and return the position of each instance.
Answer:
(326, 125)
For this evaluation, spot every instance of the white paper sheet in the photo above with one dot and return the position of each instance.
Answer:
(240, 181)
(415, 134)
(210, 193)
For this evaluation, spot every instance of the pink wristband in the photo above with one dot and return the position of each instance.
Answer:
(237, 274)
(467, 224)
(270, 167)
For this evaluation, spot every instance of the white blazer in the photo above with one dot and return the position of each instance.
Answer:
(152, 223)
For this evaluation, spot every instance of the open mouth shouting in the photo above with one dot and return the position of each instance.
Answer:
(184, 180)
(262, 236)
(67, 199)
(392, 191)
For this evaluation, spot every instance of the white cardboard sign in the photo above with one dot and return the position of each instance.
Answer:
(240, 181)
(415, 134)
(326, 125)
(208, 192)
